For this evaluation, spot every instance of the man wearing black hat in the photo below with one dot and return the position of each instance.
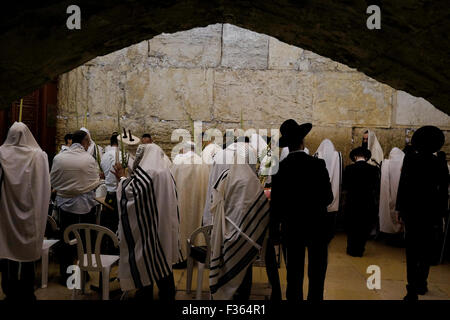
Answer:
(422, 201)
(301, 192)
(361, 186)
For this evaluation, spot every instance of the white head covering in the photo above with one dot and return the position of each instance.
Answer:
(375, 148)
(24, 195)
(333, 162)
(92, 149)
(209, 152)
(390, 178)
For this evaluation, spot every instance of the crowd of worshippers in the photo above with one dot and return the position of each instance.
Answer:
(154, 205)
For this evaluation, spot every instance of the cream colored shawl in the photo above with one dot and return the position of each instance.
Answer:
(390, 177)
(24, 195)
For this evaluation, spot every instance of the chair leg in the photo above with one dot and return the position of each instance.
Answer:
(83, 281)
(105, 283)
(201, 267)
(44, 268)
(190, 267)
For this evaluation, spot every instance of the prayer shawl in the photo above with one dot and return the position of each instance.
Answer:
(149, 222)
(24, 195)
(333, 162)
(209, 152)
(238, 152)
(240, 220)
(92, 150)
(192, 184)
(375, 148)
(390, 178)
(74, 172)
(189, 157)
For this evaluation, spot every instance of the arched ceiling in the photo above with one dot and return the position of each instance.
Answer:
(411, 52)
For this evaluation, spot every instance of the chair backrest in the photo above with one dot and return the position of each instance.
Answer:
(206, 231)
(86, 247)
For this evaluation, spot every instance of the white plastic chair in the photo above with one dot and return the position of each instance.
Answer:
(206, 231)
(88, 261)
(46, 245)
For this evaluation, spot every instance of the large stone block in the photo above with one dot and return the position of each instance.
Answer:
(283, 56)
(244, 49)
(310, 61)
(271, 96)
(123, 59)
(351, 99)
(198, 47)
(169, 94)
(412, 111)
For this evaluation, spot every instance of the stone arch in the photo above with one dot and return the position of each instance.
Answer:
(410, 52)
(229, 77)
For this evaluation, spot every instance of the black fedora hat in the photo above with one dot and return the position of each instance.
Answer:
(291, 131)
(360, 152)
(428, 139)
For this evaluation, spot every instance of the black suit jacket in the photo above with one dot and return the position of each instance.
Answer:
(422, 196)
(301, 192)
(361, 182)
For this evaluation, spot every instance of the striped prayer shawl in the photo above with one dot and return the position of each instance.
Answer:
(142, 258)
(239, 197)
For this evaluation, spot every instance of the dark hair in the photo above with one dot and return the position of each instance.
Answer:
(67, 137)
(146, 135)
(113, 140)
(78, 136)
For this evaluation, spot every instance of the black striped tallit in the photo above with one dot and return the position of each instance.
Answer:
(146, 216)
(238, 254)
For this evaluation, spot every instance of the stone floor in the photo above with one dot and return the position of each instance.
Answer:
(346, 278)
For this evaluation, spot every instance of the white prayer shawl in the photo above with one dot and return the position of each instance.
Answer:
(189, 157)
(192, 184)
(238, 152)
(24, 195)
(241, 216)
(74, 172)
(209, 152)
(92, 149)
(149, 222)
(390, 177)
(375, 148)
(333, 162)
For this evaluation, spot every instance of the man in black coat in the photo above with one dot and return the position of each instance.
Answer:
(301, 192)
(361, 185)
(422, 201)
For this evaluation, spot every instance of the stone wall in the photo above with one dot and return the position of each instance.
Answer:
(225, 75)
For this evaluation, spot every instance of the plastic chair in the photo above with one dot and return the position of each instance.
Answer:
(201, 254)
(88, 261)
(46, 245)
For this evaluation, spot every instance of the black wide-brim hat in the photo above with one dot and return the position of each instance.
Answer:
(361, 152)
(428, 139)
(291, 131)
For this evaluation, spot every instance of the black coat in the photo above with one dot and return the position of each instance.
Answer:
(301, 192)
(422, 196)
(361, 184)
